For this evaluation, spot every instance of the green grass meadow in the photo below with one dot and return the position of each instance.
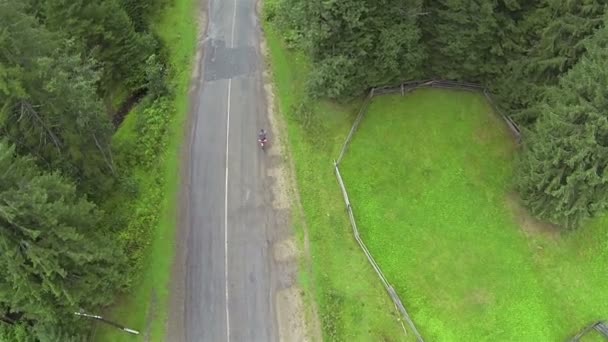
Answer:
(429, 178)
(145, 307)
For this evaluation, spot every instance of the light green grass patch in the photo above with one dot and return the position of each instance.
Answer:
(429, 178)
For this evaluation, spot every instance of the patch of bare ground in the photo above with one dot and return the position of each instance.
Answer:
(481, 297)
(289, 305)
(483, 133)
(297, 320)
(530, 226)
(285, 250)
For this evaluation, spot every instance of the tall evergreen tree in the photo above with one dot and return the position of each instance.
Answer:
(358, 43)
(108, 33)
(552, 37)
(459, 34)
(49, 105)
(563, 175)
(140, 11)
(55, 260)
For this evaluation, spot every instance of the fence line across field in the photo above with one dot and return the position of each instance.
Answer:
(389, 288)
(403, 88)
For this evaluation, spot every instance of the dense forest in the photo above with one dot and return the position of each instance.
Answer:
(64, 65)
(545, 60)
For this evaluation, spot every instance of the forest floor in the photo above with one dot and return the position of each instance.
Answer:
(429, 176)
(144, 308)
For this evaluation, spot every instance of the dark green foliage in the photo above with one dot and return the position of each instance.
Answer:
(58, 59)
(16, 332)
(552, 41)
(108, 34)
(55, 259)
(564, 169)
(344, 37)
(156, 77)
(22, 42)
(464, 39)
(562, 40)
(140, 149)
(140, 11)
(50, 107)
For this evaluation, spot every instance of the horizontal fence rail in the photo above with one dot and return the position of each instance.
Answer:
(403, 88)
(412, 85)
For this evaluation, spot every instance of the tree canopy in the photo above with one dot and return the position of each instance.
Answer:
(564, 170)
(60, 61)
(542, 58)
(50, 106)
(55, 260)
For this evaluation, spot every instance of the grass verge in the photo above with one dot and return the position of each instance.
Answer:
(429, 177)
(351, 301)
(153, 209)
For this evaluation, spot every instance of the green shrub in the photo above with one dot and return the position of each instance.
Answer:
(136, 204)
(152, 128)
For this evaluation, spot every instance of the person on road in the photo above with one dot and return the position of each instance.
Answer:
(262, 135)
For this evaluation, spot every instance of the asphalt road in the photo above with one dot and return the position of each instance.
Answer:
(224, 264)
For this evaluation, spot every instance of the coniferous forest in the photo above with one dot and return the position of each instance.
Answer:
(545, 60)
(62, 65)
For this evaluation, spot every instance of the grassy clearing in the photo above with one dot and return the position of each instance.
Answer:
(429, 177)
(352, 303)
(153, 209)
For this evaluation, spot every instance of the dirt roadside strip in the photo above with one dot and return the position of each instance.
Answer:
(296, 320)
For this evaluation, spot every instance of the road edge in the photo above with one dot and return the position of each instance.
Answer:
(176, 315)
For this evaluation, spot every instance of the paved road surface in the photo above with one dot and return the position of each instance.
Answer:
(227, 287)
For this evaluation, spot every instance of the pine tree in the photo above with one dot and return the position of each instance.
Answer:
(139, 11)
(562, 40)
(552, 40)
(356, 44)
(470, 40)
(107, 32)
(50, 107)
(563, 174)
(55, 260)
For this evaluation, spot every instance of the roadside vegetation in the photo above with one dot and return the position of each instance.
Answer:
(149, 141)
(438, 211)
(86, 200)
(352, 303)
(482, 239)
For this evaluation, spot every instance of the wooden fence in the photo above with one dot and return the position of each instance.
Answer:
(402, 88)
(601, 327)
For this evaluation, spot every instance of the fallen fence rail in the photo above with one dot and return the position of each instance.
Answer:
(403, 88)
